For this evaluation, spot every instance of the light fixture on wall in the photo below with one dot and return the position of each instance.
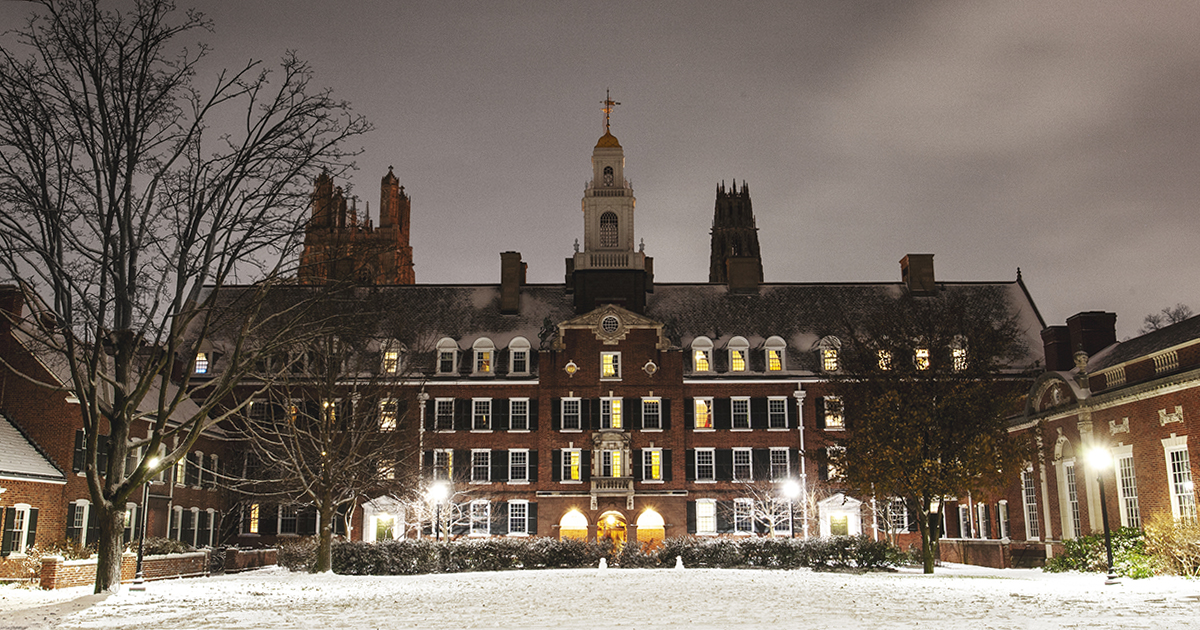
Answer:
(571, 368)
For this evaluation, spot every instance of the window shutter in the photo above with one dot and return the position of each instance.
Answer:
(724, 460)
(691, 517)
(268, 520)
(10, 517)
(93, 526)
(689, 412)
(665, 414)
(193, 471)
(80, 456)
(760, 463)
(594, 407)
(308, 522)
(127, 534)
(500, 414)
(137, 521)
(533, 414)
(794, 462)
(430, 415)
(724, 517)
(586, 473)
(819, 405)
(666, 465)
(912, 521)
(722, 413)
(556, 465)
(633, 413)
(790, 405)
(691, 465)
(462, 414)
(556, 414)
(758, 413)
(638, 464)
(427, 464)
(499, 465)
(460, 526)
(533, 465)
(462, 465)
(31, 535)
(72, 531)
(102, 454)
(823, 471)
(187, 533)
(531, 526)
(499, 525)
(203, 527)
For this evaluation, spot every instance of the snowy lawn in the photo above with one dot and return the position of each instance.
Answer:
(957, 597)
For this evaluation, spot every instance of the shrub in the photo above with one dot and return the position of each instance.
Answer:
(298, 554)
(162, 546)
(1174, 544)
(1088, 553)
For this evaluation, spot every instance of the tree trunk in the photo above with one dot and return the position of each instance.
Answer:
(110, 548)
(325, 546)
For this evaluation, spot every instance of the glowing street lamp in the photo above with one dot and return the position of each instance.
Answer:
(139, 581)
(791, 490)
(1100, 460)
(438, 492)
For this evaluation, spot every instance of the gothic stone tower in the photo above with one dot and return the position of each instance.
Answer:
(609, 270)
(735, 258)
(338, 248)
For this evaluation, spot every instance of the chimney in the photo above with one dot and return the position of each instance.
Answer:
(1092, 331)
(512, 277)
(916, 272)
(1056, 342)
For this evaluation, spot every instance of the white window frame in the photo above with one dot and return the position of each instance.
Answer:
(518, 517)
(577, 415)
(773, 465)
(739, 347)
(446, 346)
(481, 408)
(777, 419)
(781, 517)
(389, 414)
(1127, 493)
(611, 463)
(706, 517)
(656, 402)
(442, 472)
(391, 357)
(1002, 518)
(702, 355)
(483, 357)
(476, 455)
(251, 520)
(743, 517)
(710, 461)
(1029, 505)
(775, 344)
(514, 466)
(965, 526)
(287, 513)
(176, 532)
(212, 525)
(983, 517)
(1071, 516)
(615, 358)
(648, 465)
(481, 517)
(443, 415)
(513, 405)
(569, 454)
(519, 346)
(707, 401)
(1180, 482)
(21, 511)
(742, 417)
(743, 472)
(611, 413)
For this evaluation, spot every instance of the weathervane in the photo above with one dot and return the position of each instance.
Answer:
(607, 109)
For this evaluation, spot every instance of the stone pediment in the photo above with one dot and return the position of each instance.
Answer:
(611, 323)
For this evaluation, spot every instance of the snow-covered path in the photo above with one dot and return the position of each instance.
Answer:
(958, 597)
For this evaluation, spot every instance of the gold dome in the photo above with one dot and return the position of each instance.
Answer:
(608, 140)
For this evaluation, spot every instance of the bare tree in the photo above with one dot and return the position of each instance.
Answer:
(1166, 317)
(125, 189)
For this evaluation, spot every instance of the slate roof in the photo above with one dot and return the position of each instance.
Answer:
(20, 458)
(1150, 343)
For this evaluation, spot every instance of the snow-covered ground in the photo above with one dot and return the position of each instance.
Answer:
(956, 597)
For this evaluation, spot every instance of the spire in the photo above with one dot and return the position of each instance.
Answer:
(609, 104)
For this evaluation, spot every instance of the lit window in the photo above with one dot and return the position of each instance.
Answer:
(651, 413)
(741, 413)
(570, 414)
(387, 414)
(181, 471)
(833, 472)
(1179, 470)
(610, 365)
(828, 349)
(1029, 498)
(610, 413)
(835, 417)
(610, 464)
(703, 411)
(443, 414)
(774, 348)
(483, 349)
(738, 347)
(518, 356)
(250, 525)
(390, 363)
(706, 516)
(706, 469)
(742, 467)
(481, 517)
(777, 413)
(387, 469)
(481, 414)
(959, 355)
(518, 466)
(518, 414)
(702, 354)
(518, 517)
(743, 516)
(201, 363)
(1072, 500)
(781, 465)
(572, 464)
(1131, 514)
(885, 360)
(898, 515)
(652, 464)
(481, 466)
(447, 352)
(443, 464)
(921, 358)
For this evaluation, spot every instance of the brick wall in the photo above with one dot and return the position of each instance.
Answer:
(238, 560)
(59, 573)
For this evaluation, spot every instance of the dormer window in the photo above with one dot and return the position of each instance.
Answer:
(447, 356)
(739, 348)
(390, 358)
(518, 356)
(201, 365)
(921, 358)
(885, 360)
(485, 351)
(829, 350)
(958, 354)
(774, 348)
(702, 354)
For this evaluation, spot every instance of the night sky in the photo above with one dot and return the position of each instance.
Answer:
(1061, 137)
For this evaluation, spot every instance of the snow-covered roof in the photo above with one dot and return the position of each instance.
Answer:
(21, 459)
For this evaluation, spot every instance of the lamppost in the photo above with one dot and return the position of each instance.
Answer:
(438, 492)
(1100, 460)
(139, 581)
(791, 490)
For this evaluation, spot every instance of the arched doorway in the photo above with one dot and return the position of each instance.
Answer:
(611, 526)
(573, 525)
(651, 529)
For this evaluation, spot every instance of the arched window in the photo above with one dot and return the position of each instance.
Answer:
(739, 350)
(518, 356)
(608, 229)
(485, 352)
(447, 356)
(829, 350)
(702, 354)
(774, 348)
(608, 176)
